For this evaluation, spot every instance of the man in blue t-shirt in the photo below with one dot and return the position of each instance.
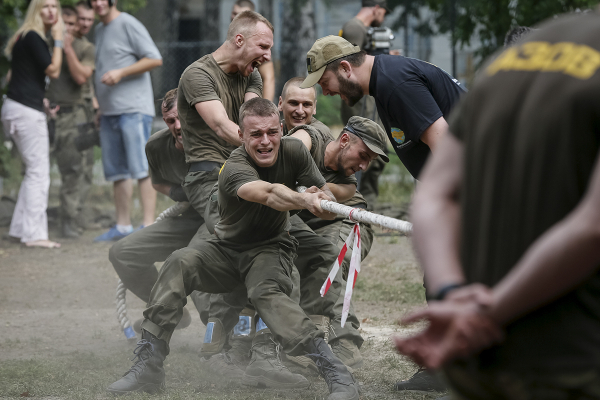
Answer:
(413, 97)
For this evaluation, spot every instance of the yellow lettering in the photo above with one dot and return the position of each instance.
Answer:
(537, 53)
(559, 56)
(584, 64)
(503, 62)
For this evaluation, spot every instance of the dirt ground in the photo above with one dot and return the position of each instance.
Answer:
(59, 336)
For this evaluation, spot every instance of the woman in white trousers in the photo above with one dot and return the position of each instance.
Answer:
(23, 117)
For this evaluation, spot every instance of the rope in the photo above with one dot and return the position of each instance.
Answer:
(173, 211)
(360, 215)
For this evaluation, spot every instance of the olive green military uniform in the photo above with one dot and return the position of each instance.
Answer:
(67, 93)
(133, 257)
(205, 151)
(252, 246)
(355, 32)
(336, 231)
(530, 137)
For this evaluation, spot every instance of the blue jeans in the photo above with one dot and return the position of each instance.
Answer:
(123, 140)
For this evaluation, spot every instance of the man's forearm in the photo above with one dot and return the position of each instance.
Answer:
(228, 131)
(79, 72)
(342, 192)
(142, 65)
(281, 198)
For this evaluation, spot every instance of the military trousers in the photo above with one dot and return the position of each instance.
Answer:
(220, 266)
(73, 164)
(133, 257)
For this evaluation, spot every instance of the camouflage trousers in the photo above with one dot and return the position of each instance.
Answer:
(76, 167)
(468, 382)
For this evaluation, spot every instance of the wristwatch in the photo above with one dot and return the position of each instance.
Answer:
(444, 290)
(58, 43)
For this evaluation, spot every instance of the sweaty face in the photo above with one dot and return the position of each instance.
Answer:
(256, 49)
(101, 7)
(171, 118)
(333, 84)
(261, 137)
(355, 156)
(298, 107)
(70, 23)
(85, 20)
(49, 13)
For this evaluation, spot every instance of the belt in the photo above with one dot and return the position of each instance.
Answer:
(204, 166)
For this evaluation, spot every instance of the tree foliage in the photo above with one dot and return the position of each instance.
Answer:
(489, 20)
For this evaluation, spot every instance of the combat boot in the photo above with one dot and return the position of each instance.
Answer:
(422, 381)
(322, 322)
(230, 366)
(69, 229)
(339, 380)
(266, 369)
(348, 352)
(147, 374)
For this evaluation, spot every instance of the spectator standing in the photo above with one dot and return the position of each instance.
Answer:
(66, 92)
(125, 53)
(23, 115)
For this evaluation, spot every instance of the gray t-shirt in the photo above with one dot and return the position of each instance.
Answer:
(121, 43)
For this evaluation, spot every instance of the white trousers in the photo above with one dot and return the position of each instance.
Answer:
(28, 129)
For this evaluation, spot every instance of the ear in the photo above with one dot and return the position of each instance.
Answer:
(239, 40)
(345, 69)
(280, 104)
(315, 108)
(240, 135)
(344, 140)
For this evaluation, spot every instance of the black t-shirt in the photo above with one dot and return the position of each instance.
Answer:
(30, 58)
(411, 95)
(530, 128)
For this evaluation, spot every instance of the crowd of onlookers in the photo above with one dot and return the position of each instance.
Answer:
(65, 95)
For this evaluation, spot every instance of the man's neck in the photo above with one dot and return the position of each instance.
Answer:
(331, 155)
(365, 15)
(363, 73)
(225, 57)
(112, 14)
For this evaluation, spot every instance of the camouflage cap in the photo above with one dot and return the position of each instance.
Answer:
(324, 51)
(373, 3)
(371, 133)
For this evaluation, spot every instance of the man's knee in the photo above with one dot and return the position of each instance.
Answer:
(268, 290)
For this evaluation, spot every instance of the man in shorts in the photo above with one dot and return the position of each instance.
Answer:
(252, 247)
(125, 53)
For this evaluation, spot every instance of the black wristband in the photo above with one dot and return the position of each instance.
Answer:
(177, 194)
(444, 290)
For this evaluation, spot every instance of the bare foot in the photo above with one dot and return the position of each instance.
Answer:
(48, 244)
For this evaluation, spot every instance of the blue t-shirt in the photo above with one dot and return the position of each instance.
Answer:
(411, 95)
(122, 43)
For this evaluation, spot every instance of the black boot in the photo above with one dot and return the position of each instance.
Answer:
(147, 374)
(422, 381)
(332, 369)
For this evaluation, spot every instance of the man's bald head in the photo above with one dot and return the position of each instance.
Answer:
(245, 24)
(296, 82)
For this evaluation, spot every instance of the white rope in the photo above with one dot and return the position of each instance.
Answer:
(360, 215)
(173, 211)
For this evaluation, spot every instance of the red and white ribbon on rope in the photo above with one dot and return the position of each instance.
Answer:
(352, 274)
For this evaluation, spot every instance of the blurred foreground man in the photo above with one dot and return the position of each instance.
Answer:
(507, 225)
(252, 247)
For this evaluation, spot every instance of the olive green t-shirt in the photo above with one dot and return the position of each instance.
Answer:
(243, 221)
(202, 81)
(530, 128)
(65, 91)
(320, 137)
(167, 164)
(355, 32)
